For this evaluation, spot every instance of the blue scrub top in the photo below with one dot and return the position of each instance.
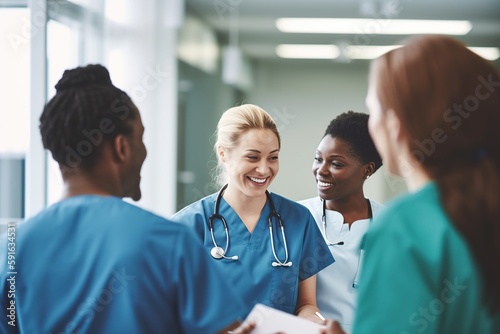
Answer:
(252, 275)
(93, 264)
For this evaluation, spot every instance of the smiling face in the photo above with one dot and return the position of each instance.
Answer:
(253, 164)
(339, 174)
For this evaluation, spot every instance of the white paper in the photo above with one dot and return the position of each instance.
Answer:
(270, 320)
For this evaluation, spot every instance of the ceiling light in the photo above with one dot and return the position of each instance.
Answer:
(486, 52)
(372, 26)
(326, 51)
(308, 51)
(368, 51)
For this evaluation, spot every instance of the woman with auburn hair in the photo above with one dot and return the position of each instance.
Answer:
(432, 258)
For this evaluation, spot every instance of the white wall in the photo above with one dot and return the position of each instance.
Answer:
(140, 55)
(303, 97)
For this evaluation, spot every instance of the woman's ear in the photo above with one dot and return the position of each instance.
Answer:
(394, 126)
(221, 154)
(369, 169)
(397, 133)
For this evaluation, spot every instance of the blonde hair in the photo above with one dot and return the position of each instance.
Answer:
(232, 124)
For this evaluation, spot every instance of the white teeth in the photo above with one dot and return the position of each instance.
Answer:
(257, 180)
(323, 184)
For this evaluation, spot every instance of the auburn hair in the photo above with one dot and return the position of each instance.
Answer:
(448, 101)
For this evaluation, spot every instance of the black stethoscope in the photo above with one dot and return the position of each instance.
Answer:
(219, 253)
(355, 283)
(323, 220)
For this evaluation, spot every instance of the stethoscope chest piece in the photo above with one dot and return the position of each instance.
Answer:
(220, 253)
(217, 252)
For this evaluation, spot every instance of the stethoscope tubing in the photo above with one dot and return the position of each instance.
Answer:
(323, 220)
(218, 252)
(355, 283)
(213, 237)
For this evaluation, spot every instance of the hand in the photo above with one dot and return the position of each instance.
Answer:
(314, 318)
(244, 328)
(332, 327)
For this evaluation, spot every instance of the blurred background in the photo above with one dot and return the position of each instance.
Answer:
(184, 62)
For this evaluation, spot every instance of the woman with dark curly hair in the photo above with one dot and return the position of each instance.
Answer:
(345, 158)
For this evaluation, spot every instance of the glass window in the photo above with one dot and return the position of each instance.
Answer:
(14, 113)
(14, 83)
(62, 53)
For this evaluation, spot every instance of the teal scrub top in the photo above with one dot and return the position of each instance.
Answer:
(419, 274)
(92, 264)
(252, 275)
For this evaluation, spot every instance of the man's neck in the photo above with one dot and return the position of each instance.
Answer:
(79, 182)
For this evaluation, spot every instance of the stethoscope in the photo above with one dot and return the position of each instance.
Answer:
(219, 253)
(323, 220)
(355, 283)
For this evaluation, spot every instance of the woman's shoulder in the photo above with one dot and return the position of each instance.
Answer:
(376, 207)
(413, 215)
(291, 207)
(311, 202)
(199, 206)
(423, 201)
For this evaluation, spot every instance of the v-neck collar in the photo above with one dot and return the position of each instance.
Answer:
(237, 228)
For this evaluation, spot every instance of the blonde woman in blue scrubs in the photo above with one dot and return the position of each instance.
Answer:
(268, 248)
(433, 256)
(345, 158)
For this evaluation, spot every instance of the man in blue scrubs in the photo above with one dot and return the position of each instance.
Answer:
(93, 263)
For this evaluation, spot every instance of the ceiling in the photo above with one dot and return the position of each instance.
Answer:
(258, 35)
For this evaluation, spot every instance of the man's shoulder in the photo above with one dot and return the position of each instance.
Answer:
(102, 205)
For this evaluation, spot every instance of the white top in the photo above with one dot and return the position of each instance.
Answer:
(335, 293)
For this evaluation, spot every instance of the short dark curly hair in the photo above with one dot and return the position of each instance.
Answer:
(86, 111)
(352, 128)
